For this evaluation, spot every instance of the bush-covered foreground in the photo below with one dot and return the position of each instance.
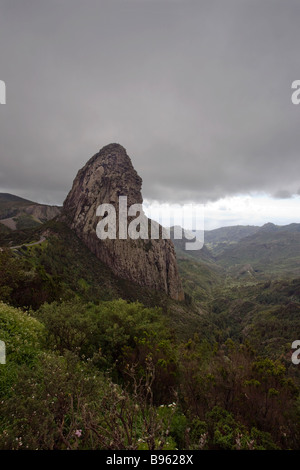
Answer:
(113, 376)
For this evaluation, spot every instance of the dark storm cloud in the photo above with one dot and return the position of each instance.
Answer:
(198, 92)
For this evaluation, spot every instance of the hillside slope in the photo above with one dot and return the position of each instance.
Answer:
(17, 213)
(273, 251)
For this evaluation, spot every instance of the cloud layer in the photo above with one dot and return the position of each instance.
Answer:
(198, 92)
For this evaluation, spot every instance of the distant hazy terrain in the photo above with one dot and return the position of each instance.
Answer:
(17, 213)
(251, 252)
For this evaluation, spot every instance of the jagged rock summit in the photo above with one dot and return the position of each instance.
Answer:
(106, 176)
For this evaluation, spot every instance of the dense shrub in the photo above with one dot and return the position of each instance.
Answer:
(112, 376)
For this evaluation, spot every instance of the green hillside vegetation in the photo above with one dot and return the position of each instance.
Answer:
(96, 362)
(220, 239)
(26, 221)
(10, 205)
(62, 268)
(113, 376)
(265, 314)
(271, 254)
(250, 292)
(4, 230)
(199, 279)
(9, 238)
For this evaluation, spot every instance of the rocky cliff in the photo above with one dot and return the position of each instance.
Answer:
(106, 176)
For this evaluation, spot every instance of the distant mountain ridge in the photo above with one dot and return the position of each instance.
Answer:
(272, 249)
(229, 234)
(267, 252)
(17, 213)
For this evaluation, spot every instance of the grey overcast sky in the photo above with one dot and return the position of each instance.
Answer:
(198, 92)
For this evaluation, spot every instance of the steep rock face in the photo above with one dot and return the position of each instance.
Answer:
(106, 176)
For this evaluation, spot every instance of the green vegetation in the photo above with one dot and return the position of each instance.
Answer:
(26, 221)
(10, 205)
(95, 362)
(20, 218)
(112, 376)
(4, 230)
(270, 254)
(199, 278)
